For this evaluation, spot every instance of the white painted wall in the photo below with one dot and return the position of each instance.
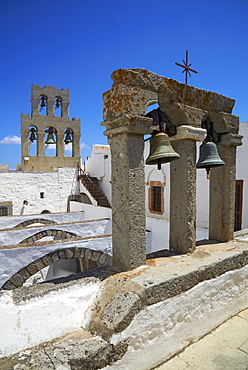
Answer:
(57, 186)
(43, 318)
(60, 218)
(99, 166)
(82, 229)
(91, 212)
(242, 170)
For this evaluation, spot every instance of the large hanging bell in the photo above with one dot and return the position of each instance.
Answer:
(50, 139)
(68, 139)
(161, 150)
(209, 157)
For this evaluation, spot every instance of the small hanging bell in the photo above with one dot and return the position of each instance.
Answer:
(57, 103)
(32, 137)
(68, 139)
(161, 150)
(43, 102)
(50, 139)
(209, 157)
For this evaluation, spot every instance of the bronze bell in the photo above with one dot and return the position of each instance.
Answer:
(68, 139)
(209, 157)
(161, 150)
(50, 139)
(32, 136)
(43, 102)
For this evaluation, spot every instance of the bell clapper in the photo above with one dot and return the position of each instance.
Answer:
(159, 164)
(208, 172)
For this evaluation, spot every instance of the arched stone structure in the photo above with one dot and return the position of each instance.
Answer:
(35, 221)
(49, 232)
(186, 107)
(84, 254)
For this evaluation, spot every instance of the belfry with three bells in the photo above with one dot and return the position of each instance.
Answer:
(49, 127)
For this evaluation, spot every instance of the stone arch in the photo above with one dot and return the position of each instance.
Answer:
(58, 105)
(35, 221)
(87, 254)
(43, 104)
(85, 198)
(45, 211)
(155, 174)
(49, 232)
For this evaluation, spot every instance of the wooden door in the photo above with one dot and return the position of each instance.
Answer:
(238, 205)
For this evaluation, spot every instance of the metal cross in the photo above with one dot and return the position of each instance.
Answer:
(186, 68)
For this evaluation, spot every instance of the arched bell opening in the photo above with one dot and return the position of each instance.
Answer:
(57, 106)
(33, 136)
(50, 142)
(68, 142)
(43, 105)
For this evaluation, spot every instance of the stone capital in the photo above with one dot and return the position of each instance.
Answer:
(189, 132)
(231, 140)
(136, 125)
(225, 122)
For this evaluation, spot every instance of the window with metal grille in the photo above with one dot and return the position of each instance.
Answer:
(4, 211)
(156, 197)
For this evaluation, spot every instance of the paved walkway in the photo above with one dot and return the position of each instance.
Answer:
(225, 348)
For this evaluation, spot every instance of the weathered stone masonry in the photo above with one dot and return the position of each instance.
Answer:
(124, 110)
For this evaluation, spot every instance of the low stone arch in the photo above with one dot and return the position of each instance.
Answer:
(19, 278)
(35, 221)
(49, 232)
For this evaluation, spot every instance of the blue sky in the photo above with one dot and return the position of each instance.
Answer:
(77, 44)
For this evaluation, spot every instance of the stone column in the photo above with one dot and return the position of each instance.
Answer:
(183, 189)
(40, 144)
(50, 107)
(125, 136)
(222, 190)
(65, 109)
(60, 144)
(76, 146)
(25, 143)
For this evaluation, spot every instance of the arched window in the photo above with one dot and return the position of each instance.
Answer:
(58, 106)
(43, 105)
(68, 142)
(50, 142)
(33, 141)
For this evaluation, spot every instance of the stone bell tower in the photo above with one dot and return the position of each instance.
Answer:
(49, 120)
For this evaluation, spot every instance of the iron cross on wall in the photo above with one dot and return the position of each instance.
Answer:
(186, 68)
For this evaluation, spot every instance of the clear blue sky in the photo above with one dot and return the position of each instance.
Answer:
(77, 44)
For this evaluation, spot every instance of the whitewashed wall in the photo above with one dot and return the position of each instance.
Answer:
(59, 218)
(90, 211)
(99, 166)
(43, 318)
(242, 170)
(80, 229)
(56, 186)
